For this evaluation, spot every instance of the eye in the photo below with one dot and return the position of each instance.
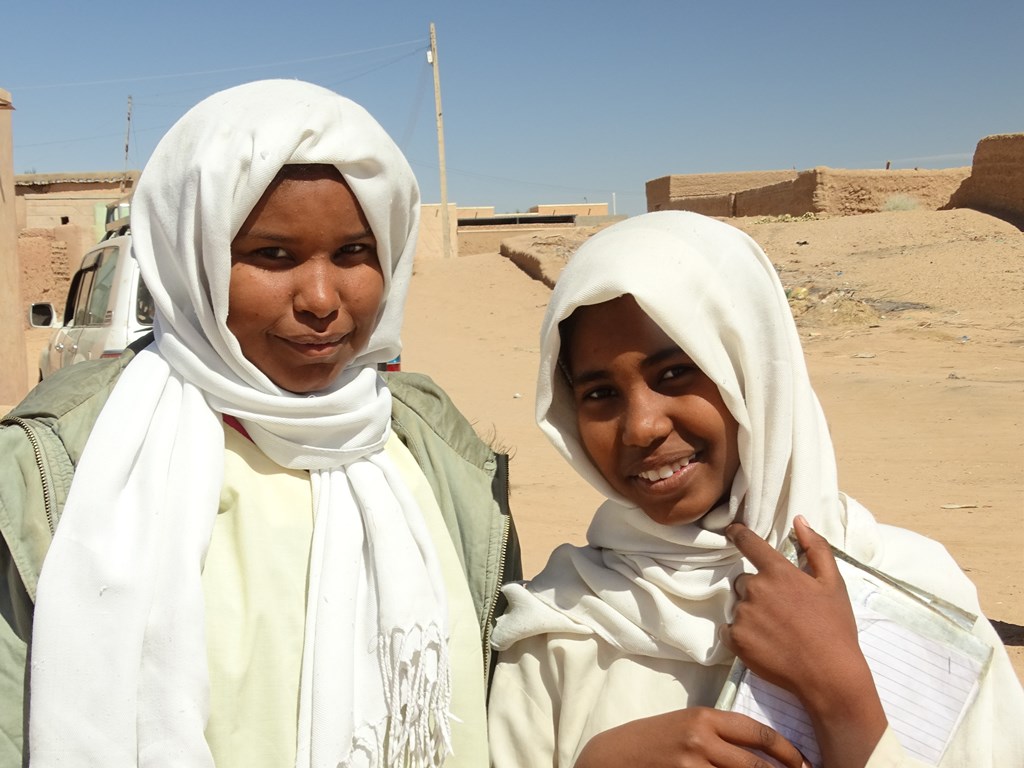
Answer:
(357, 253)
(272, 253)
(678, 371)
(271, 257)
(602, 392)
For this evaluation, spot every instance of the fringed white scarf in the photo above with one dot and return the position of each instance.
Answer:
(119, 668)
(658, 590)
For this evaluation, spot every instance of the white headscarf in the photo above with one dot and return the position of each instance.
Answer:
(119, 675)
(663, 590)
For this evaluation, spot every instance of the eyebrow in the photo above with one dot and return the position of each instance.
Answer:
(275, 237)
(659, 357)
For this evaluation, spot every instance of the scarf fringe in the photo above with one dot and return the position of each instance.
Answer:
(417, 690)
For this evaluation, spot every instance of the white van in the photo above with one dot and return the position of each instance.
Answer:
(108, 307)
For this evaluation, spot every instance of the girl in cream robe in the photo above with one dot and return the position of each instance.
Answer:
(628, 626)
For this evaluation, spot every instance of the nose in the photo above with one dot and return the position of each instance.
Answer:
(317, 290)
(644, 421)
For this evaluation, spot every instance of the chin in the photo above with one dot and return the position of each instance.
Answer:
(310, 385)
(672, 517)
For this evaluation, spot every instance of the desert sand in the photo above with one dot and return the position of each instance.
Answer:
(913, 328)
(917, 354)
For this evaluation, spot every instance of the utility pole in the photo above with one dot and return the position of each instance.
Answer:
(127, 137)
(446, 241)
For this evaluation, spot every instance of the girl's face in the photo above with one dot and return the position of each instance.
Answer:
(650, 420)
(306, 284)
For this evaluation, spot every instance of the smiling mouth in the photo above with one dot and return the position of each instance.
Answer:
(315, 346)
(668, 470)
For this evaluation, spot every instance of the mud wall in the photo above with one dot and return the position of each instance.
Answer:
(476, 240)
(430, 244)
(47, 264)
(709, 205)
(712, 190)
(12, 350)
(836, 192)
(996, 183)
(794, 197)
(839, 192)
(845, 193)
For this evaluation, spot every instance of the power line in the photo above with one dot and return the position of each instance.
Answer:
(135, 131)
(376, 68)
(215, 71)
(421, 91)
(365, 72)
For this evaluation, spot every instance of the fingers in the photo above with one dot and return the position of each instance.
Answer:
(743, 731)
(739, 586)
(821, 561)
(753, 547)
(759, 552)
(692, 736)
(725, 635)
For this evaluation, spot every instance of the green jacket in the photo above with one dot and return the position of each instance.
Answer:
(41, 442)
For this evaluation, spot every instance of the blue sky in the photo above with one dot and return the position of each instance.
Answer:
(551, 101)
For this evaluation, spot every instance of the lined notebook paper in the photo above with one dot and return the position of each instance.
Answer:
(924, 659)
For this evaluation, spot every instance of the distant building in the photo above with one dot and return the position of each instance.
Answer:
(74, 205)
(574, 209)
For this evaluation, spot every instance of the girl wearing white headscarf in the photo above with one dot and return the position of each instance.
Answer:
(628, 627)
(280, 591)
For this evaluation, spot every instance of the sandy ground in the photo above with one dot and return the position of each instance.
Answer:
(926, 403)
(913, 325)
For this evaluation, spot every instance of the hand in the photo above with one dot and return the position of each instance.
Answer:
(786, 621)
(797, 630)
(689, 738)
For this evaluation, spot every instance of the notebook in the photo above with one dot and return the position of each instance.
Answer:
(925, 662)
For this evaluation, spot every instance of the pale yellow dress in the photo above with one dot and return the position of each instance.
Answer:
(254, 582)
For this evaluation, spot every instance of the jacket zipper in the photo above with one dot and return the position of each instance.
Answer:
(502, 556)
(48, 505)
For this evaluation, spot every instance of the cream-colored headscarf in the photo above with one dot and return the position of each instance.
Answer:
(119, 675)
(657, 590)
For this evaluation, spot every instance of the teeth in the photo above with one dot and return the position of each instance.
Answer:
(667, 471)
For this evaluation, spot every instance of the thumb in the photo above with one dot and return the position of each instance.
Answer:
(817, 550)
